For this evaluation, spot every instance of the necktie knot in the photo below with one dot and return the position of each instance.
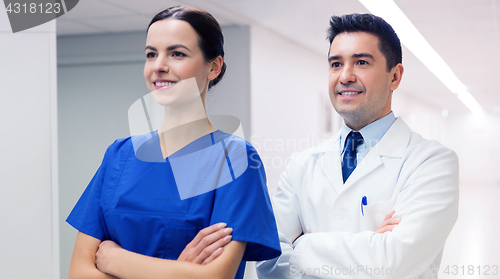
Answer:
(354, 139)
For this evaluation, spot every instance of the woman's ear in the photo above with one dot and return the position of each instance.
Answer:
(397, 75)
(215, 68)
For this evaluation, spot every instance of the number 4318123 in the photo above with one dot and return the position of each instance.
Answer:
(471, 270)
(33, 8)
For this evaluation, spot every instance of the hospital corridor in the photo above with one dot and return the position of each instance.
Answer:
(74, 84)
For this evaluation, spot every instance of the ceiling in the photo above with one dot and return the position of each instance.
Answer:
(466, 33)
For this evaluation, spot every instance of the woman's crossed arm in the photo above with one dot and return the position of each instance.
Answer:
(95, 259)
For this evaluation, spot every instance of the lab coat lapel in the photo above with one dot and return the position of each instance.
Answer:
(395, 141)
(370, 163)
(393, 144)
(329, 162)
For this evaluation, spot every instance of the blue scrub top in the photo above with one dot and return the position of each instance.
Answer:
(155, 206)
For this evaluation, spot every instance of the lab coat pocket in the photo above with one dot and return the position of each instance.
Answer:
(374, 214)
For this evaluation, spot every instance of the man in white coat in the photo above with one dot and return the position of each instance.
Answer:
(376, 200)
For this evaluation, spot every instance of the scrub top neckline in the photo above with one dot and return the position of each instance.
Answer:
(211, 134)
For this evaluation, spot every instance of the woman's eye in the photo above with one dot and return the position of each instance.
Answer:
(178, 54)
(150, 55)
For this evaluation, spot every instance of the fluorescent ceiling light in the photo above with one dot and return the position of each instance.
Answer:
(416, 43)
(469, 101)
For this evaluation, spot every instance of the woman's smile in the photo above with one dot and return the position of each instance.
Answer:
(163, 84)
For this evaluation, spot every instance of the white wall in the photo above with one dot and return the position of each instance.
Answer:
(475, 139)
(472, 136)
(94, 97)
(291, 110)
(231, 96)
(28, 147)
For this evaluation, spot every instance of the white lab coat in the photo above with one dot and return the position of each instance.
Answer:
(415, 177)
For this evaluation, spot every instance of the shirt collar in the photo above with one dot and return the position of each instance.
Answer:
(372, 133)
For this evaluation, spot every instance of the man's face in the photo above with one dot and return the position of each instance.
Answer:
(360, 86)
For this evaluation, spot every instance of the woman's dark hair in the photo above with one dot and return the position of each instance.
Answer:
(389, 43)
(211, 40)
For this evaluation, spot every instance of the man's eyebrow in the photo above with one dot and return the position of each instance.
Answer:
(169, 48)
(360, 55)
(334, 57)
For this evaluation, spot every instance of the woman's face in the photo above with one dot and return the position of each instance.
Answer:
(175, 69)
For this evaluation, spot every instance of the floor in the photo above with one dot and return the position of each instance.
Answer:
(473, 247)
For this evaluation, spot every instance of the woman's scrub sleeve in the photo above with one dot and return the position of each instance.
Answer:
(245, 206)
(87, 215)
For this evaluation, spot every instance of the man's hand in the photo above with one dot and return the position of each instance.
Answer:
(207, 245)
(388, 224)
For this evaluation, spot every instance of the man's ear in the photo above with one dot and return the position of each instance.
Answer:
(215, 68)
(397, 75)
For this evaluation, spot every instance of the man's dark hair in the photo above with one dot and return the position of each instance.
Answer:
(389, 43)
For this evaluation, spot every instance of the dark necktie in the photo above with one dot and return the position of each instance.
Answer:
(349, 162)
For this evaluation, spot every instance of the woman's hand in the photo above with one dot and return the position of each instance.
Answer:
(207, 245)
(105, 253)
(203, 249)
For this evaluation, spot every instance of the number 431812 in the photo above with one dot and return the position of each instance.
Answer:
(34, 8)
(471, 270)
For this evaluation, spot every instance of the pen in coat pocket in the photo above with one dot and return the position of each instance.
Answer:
(364, 202)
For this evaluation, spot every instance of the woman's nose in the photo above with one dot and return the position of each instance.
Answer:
(161, 64)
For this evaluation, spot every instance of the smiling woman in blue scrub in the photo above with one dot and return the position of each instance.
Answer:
(163, 204)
